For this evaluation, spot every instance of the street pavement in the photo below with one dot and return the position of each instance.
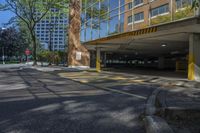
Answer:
(178, 100)
(6, 66)
(32, 101)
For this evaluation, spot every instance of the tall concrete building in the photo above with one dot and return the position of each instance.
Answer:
(53, 30)
(150, 34)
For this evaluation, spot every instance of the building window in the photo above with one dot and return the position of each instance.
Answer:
(130, 19)
(130, 5)
(61, 46)
(183, 3)
(160, 10)
(139, 17)
(137, 2)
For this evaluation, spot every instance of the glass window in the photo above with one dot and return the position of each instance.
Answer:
(137, 2)
(160, 10)
(83, 16)
(121, 29)
(183, 3)
(113, 4)
(130, 5)
(95, 21)
(87, 3)
(104, 5)
(95, 11)
(95, 29)
(113, 25)
(88, 13)
(130, 19)
(139, 16)
(122, 8)
(88, 31)
(103, 28)
(122, 2)
(114, 13)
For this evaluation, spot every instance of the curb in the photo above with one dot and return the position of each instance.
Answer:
(176, 111)
(150, 106)
(153, 123)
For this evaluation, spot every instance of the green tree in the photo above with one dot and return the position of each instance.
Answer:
(32, 12)
(12, 42)
(24, 33)
(196, 4)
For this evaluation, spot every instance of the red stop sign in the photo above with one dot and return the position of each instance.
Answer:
(27, 52)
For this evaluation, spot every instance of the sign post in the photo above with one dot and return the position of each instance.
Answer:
(27, 52)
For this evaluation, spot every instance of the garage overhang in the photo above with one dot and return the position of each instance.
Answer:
(175, 35)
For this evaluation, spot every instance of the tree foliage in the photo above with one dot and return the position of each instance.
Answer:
(12, 42)
(31, 12)
(196, 4)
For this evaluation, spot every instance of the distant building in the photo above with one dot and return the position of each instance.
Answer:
(45, 46)
(53, 27)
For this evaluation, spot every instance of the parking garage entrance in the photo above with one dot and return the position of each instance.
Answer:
(170, 48)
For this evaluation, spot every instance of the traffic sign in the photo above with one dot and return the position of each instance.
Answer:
(27, 52)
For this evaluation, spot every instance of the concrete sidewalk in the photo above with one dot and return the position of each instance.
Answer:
(180, 107)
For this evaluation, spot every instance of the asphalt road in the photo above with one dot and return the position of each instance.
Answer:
(40, 102)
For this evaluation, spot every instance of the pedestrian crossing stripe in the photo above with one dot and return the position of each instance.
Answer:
(132, 33)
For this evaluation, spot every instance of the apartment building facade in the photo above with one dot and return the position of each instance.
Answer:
(159, 34)
(108, 17)
(53, 30)
(143, 13)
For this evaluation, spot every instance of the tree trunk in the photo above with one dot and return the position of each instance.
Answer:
(78, 55)
(34, 48)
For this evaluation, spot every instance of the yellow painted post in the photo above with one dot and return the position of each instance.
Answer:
(191, 57)
(191, 71)
(98, 60)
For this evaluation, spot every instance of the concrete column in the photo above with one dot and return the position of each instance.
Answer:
(78, 55)
(98, 59)
(197, 11)
(146, 62)
(177, 65)
(161, 62)
(92, 59)
(194, 57)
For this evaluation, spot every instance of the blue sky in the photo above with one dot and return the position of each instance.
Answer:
(5, 15)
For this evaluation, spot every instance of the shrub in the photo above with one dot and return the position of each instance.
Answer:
(161, 19)
(186, 12)
(51, 57)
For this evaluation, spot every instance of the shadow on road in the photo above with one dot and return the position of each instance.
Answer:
(37, 102)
